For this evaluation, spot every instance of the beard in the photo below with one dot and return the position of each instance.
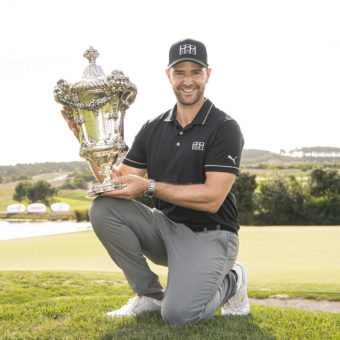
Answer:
(182, 99)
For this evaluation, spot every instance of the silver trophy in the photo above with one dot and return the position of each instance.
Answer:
(97, 104)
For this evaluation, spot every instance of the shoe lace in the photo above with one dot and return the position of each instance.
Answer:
(135, 301)
(232, 302)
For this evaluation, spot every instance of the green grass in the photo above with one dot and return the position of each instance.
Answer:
(17, 287)
(58, 287)
(79, 251)
(297, 261)
(75, 198)
(263, 175)
(72, 306)
(6, 194)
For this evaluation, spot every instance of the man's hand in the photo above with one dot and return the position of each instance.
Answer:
(73, 126)
(135, 185)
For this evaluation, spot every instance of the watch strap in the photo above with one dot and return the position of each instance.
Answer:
(151, 189)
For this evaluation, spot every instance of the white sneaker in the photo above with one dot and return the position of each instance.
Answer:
(136, 306)
(239, 303)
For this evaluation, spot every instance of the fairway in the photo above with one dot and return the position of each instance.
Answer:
(293, 258)
(296, 260)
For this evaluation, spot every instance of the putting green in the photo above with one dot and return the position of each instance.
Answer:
(301, 257)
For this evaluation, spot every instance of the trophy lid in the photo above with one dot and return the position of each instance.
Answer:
(92, 71)
(94, 81)
(93, 76)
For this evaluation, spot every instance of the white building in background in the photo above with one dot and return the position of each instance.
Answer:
(325, 154)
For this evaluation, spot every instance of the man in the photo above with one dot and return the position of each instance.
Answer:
(191, 155)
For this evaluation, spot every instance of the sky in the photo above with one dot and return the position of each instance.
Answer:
(275, 67)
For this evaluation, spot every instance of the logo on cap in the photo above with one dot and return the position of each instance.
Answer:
(187, 49)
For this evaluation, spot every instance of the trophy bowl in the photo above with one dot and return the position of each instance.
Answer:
(97, 105)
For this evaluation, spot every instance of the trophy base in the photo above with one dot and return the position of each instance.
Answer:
(98, 189)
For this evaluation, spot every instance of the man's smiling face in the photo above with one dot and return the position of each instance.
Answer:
(188, 80)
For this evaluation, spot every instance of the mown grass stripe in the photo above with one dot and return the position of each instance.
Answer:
(83, 318)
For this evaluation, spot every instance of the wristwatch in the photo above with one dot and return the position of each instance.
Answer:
(150, 191)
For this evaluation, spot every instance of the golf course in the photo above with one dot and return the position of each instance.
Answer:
(60, 286)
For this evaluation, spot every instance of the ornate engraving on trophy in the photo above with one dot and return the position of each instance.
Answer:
(97, 104)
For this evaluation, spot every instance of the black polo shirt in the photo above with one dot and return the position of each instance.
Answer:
(172, 154)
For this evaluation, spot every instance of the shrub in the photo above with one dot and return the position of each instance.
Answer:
(323, 210)
(324, 183)
(145, 200)
(243, 189)
(82, 215)
(78, 180)
(281, 201)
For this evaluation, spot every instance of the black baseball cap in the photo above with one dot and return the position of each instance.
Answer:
(188, 50)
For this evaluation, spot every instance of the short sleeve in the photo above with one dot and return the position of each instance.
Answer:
(136, 156)
(225, 148)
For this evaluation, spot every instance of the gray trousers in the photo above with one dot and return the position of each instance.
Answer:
(200, 279)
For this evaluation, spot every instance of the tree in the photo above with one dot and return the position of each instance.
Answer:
(323, 210)
(20, 191)
(41, 191)
(243, 189)
(324, 183)
(324, 202)
(281, 201)
(78, 180)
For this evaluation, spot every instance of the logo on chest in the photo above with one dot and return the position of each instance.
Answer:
(198, 146)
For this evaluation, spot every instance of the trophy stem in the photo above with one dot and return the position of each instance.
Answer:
(108, 184)
(106, 172)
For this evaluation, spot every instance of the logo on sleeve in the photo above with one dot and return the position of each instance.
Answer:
(198, 146)
(233, 159)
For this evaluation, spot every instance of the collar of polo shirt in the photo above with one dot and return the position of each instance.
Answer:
(201, 117)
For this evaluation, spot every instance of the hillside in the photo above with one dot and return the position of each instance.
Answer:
(12, 173)
(304, 155)
(250, 157)
(256, 157)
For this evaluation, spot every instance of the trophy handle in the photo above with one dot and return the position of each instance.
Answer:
(69, 114)
(121, 123)
(127, 99)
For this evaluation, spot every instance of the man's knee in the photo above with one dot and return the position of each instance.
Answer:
(101, 208)
(179, 314)
(97, 207)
